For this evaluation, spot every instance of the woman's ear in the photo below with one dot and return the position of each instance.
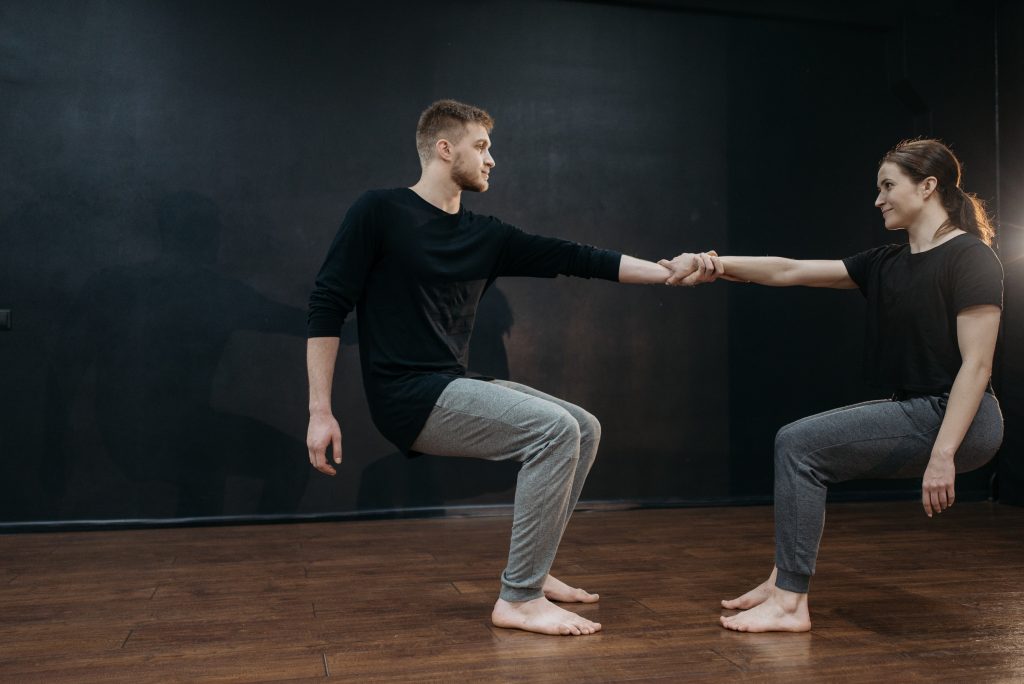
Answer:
(928, 186)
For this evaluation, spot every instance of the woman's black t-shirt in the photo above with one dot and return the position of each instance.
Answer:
(913, 300)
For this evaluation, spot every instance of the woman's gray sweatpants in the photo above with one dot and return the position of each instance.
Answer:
(876, 439)
(555, 441)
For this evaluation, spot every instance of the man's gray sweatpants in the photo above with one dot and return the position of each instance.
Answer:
(876, 439)
(555, 441)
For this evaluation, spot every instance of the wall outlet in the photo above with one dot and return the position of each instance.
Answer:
(5, 319)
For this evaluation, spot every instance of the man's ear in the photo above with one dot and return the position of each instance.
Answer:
(444, 149)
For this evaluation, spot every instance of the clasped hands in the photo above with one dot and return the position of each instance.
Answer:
(693, 269)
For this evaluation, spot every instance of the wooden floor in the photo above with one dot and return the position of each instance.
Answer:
(898, 597)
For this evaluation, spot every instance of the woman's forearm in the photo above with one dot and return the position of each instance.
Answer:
(964, 399)
(761, 270)
(781, 272)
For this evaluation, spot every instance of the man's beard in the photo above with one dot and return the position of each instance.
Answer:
(467, 179)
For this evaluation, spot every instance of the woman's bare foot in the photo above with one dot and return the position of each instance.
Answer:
(541, 616)
(557, 590)
(782, 611)
(755, 596)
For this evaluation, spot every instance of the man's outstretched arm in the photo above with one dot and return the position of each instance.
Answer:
(324, 431)
(640, 272)
(546, 257)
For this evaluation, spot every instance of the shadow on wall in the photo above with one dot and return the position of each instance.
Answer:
(45, 240)
(155, 332)
(398, 482)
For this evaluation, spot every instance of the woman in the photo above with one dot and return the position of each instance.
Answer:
(933, 308)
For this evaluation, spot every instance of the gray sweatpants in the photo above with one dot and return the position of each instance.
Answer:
(555, 441)
(876, 439)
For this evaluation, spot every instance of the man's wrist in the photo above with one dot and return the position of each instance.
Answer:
(319, 411)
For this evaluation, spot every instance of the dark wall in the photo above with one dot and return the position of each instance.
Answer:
(171, 175)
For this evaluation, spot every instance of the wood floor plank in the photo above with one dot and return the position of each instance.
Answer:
(897, 597)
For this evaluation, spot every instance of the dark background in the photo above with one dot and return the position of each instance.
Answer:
(171, 174)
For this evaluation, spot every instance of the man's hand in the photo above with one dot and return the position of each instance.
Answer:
(937, 491)
(692, 269)
(323, 431)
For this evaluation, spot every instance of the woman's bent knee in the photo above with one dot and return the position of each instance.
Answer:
(786, 440)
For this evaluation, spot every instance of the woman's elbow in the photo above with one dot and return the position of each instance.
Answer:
(977, 368)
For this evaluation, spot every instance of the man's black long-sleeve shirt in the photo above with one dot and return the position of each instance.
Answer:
(415, 275)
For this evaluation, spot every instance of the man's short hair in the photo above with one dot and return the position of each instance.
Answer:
(446, 119)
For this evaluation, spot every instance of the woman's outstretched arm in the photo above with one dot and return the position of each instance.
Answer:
(780, 272)
(773, 271)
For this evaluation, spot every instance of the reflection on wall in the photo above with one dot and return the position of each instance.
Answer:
(153, 333)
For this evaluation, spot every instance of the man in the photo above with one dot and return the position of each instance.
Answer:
(414, 263)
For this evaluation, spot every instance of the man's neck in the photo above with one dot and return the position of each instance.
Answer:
(441, 192)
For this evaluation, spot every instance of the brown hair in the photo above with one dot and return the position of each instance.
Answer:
(925, 157)
(446, 119)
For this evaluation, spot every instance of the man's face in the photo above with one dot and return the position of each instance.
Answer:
(472, 161)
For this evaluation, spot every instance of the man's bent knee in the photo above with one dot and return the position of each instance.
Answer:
(590, 428)
(565, 428)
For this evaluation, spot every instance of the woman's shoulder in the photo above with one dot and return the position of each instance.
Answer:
(878, 254)
(971, 251)
(967, 243)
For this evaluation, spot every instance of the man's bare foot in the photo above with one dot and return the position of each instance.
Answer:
(541, 616)
(755, 596)
(557, 590)
(782, 611)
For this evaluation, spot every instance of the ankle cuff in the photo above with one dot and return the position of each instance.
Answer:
(519, 595)
(517, 592)
(792, 581)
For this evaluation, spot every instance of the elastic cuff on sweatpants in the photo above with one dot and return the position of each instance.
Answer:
(513, 595)
(792, 581)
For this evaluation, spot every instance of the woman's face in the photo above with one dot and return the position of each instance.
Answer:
(899, 198)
